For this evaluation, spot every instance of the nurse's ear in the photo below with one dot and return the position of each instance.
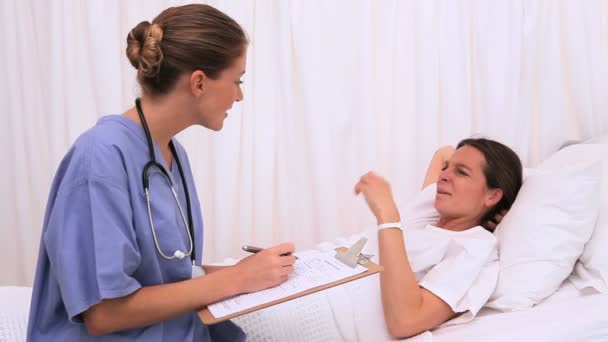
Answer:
(198, 83)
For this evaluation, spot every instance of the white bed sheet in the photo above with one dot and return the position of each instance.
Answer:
(567, 316)
(350, 313)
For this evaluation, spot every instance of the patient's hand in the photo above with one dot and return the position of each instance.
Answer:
(379, 198)
(267, 268)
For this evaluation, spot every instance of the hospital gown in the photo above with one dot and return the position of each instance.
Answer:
(97, 243)
(461, 268)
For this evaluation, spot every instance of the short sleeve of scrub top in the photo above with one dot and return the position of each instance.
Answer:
(91, 242)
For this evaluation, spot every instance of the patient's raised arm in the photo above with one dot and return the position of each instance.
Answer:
(440, 157)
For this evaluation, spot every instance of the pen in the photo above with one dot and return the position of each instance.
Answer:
(253, 249)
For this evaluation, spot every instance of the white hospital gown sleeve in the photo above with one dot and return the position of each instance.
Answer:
(91, 244)
(420, 210)
(466, 276)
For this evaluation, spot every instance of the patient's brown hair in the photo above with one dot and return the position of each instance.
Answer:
(502, 170)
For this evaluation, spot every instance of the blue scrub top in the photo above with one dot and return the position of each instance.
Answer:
(97, 243)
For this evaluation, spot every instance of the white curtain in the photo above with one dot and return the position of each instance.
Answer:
(333, 89)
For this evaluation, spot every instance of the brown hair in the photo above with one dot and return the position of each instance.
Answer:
(502, 170)
(183, 39)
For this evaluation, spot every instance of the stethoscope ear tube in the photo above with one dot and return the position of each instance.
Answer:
(145, 178)
(145, 175)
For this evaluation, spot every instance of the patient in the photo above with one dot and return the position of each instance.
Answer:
(444, 261)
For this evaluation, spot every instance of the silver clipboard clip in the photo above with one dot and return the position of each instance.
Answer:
(353, 256)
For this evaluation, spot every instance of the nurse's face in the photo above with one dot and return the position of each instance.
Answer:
(461, 189)
(220, 94)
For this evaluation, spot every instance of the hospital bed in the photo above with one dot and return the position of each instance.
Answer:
(568, 315)
(577, 311)
(352, 312)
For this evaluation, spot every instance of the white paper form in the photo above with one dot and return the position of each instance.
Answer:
(311, 270)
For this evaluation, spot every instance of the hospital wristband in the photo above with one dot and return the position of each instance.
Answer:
(390, 225)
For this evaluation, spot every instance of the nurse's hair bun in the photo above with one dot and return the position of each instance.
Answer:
(144, 49)
(181, 40)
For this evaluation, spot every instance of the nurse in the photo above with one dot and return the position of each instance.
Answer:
(122, 238)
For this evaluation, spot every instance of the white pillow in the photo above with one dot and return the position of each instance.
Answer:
(591, 271)
(544, 233)
(597, 140)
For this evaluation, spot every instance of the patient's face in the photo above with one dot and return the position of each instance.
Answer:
(461, 189)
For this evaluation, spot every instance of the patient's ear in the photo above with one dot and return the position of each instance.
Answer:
(494, 196)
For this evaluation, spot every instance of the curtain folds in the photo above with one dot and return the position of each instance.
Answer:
(333, 89)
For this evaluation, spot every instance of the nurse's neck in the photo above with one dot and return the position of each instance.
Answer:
(165, 115)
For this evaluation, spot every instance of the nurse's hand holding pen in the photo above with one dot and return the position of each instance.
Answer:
(268, 268)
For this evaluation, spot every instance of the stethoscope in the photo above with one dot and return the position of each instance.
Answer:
(149, 168)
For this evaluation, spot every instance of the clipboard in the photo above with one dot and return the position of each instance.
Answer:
(207, 317)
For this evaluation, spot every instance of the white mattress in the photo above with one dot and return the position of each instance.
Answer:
(14, 310)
